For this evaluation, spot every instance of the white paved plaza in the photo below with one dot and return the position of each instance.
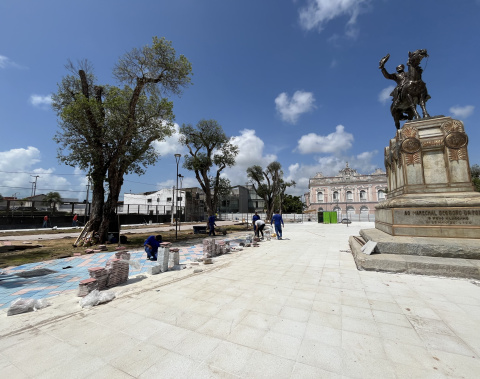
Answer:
(294, 308)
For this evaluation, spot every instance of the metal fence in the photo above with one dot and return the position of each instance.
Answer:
(298, 217)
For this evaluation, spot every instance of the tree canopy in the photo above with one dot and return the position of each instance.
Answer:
(107, 130)
(208, 148)
(52, 198)
(475, 172)
(269, 185)
(292, 204)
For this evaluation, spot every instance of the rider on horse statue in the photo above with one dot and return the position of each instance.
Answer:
(400, 78)
(410, 90)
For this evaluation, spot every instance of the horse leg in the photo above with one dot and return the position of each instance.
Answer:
(422, 104)
(396, 117)
(413, 106)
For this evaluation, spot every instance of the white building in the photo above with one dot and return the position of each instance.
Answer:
(152, 203)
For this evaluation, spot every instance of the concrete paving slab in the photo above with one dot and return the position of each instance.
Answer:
(287, 309)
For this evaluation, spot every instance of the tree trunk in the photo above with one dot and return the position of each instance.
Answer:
(98, 200)
(115, 182)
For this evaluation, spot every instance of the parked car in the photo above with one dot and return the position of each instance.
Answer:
(346, 221)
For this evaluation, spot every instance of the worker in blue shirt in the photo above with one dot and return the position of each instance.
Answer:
(211, 225)
(254, 219)
(278, 221)
(152, 244)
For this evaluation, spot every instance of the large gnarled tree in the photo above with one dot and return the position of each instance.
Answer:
(208, 148)
(108, 131)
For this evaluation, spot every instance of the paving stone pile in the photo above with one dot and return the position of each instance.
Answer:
(117, 271)
(213, 248)
(101, 275)
(86, 286)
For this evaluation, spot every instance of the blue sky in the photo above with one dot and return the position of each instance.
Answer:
(290, 80)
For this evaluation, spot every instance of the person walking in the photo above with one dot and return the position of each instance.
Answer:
(152, 244)
(45, 222)
(211, 225)
(278, 221)
(74, 221)
(254, 220)
(259, 225)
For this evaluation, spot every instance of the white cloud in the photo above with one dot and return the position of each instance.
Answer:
(6, 62)
(17, 172)
(317, 13)
(40, 101)
(291, 109)
(171, 145)
(384, 94)
(251, 152)
(334, 143)
(462, 112)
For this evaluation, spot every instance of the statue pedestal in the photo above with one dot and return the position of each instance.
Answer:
(430, 193)
(430, 222)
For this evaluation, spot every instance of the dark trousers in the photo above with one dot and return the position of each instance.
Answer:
(260, 230)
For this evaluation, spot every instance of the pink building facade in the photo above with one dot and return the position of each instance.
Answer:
(348, 193)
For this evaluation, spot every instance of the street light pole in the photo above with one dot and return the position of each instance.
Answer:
(177, 159)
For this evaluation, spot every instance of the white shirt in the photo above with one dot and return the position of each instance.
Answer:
(259, 223)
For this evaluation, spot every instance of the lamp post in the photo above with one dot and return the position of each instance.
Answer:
(177, 159)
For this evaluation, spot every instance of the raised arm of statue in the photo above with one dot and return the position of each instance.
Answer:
(384, 60)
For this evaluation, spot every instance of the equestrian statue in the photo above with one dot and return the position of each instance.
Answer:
(410, 91)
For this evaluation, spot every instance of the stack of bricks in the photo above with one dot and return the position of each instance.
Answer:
(86, 286)
(122, 255)
(101, 275)
(219, 247)
(102, 247)
(208, 248)
(163, 257)
(174, 258)
(117, 271)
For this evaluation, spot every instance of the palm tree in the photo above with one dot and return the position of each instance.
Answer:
(52, 198)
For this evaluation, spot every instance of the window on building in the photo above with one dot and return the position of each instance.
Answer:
(381, 195)
(149, 200)
(158, 199)
(349, 196)
(179, 198)
(169, 199)
(363, 196)
(335, 196)
(319, 197)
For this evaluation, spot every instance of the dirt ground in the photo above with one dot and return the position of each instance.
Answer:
(62, 248)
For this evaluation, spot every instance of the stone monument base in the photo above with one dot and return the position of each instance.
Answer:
(418, 255)
(445, 215)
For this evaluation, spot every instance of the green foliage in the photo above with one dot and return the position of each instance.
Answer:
(475, 172)
(224, 186)
(52, 198)
(292, 204)
(109, 130)
(208, 148)
(269, 185)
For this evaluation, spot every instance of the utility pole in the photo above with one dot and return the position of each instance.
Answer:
(35, 183)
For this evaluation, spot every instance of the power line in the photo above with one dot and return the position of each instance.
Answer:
(43, 173)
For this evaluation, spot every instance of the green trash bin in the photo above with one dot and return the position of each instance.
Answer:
(326, 218)
(333, 217)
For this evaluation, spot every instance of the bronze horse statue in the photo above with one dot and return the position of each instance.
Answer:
(411, 90)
